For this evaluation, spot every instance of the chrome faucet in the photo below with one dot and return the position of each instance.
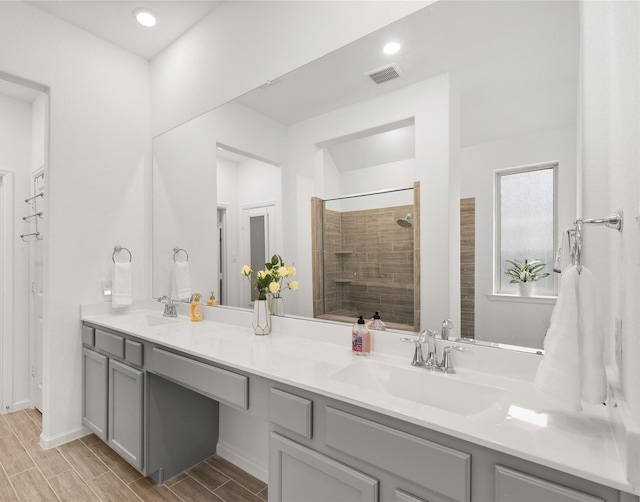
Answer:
(428, 336)
(169, 306)
(447, 326)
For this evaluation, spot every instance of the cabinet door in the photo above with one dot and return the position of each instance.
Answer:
(514, 485)
(94, 392)
(126, 399)
(299, 474)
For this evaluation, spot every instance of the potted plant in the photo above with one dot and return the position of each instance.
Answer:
(269, 281)
(525, 274)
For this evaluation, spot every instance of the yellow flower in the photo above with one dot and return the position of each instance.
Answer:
(291, 271)
(261, 275)
(274, 287)
(283, 272)
(246, 270)
(293, 285)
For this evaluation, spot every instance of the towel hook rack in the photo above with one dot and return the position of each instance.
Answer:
(612, 221)
(117, 249)
(39, 194)
(32, 234)
(177, 250)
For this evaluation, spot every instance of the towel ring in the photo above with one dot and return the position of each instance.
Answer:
(116, 250)
(176, 250)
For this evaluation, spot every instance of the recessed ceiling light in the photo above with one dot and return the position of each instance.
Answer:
(145, 17)
(391, 48)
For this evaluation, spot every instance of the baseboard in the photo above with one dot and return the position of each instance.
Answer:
(20, 405)
(245, 463)
(48, 442)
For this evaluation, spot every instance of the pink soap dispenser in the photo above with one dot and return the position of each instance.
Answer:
(360, 338)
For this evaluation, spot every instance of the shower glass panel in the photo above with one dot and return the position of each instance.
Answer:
(369, 253)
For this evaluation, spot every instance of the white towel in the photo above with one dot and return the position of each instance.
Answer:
(572, 369)
(122, 287)
(180, 281)
(592, 369)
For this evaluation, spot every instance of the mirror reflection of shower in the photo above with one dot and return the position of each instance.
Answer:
(369, 264)
(406, 222)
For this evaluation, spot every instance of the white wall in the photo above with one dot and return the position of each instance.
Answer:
(513, 321)
(241, 45)
(185, 186)
(98, 182)
(610, 155)
(15, 158)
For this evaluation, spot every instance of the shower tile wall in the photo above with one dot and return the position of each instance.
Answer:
(369, 264)
(467, 266)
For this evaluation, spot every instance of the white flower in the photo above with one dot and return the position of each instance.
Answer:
(274, 287)
(293, 285)
(246, 270)
(283, 272)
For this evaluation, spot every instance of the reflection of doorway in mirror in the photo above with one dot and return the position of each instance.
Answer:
(222, 255)
(258, 238)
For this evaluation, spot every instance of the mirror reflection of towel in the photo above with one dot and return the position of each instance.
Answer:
(572, 369)
(122, 286)
(180, 281)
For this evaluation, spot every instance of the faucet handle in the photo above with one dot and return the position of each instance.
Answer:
(447, 365)
(418, 358)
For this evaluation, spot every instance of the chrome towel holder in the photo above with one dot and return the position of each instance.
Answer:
(612, 221)
(177, 250)
(118, 249)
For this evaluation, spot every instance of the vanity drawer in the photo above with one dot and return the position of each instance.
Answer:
(292, 412)
(439, 468)
(133, 352)
(88, 335)
(214, 382)
(110, 343)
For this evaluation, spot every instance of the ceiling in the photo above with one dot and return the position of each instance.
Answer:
(113, 20)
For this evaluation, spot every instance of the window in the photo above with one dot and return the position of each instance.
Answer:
(525, 223)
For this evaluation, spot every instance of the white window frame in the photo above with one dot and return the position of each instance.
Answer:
(497, 257)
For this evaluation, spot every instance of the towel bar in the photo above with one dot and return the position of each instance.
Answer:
(176, 250)
(117, 249)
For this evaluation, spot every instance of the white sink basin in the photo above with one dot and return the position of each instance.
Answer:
(422, 386)
(158, 320)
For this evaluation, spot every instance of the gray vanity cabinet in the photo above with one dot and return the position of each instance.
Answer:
(515, 485)
(302, 474)
(113, 392)
(95, 369)
(126, 405)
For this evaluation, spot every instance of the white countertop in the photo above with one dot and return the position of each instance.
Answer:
(306, 354)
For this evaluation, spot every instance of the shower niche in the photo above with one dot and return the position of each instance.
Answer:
(366, 257)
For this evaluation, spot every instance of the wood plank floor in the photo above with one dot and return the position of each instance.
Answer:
(87, 470)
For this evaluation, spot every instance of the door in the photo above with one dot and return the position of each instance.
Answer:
(259, 244)
(222, 256)
(94, 390)
(299, 474)
(126, 401)
(36, 295)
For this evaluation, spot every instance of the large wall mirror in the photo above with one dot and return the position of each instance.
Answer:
(476, 87)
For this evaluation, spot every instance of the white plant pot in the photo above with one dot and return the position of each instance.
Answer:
(525, 288)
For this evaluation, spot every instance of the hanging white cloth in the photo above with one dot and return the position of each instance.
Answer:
(572, 369)
(122, 287)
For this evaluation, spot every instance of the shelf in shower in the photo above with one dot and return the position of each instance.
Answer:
(344, 252)
(344, 281)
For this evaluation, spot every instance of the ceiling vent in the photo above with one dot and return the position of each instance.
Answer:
(384, 73)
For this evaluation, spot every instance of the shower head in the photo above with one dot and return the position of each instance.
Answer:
(406, 221)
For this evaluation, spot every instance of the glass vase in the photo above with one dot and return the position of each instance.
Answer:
(277, 306)
(261, 317)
